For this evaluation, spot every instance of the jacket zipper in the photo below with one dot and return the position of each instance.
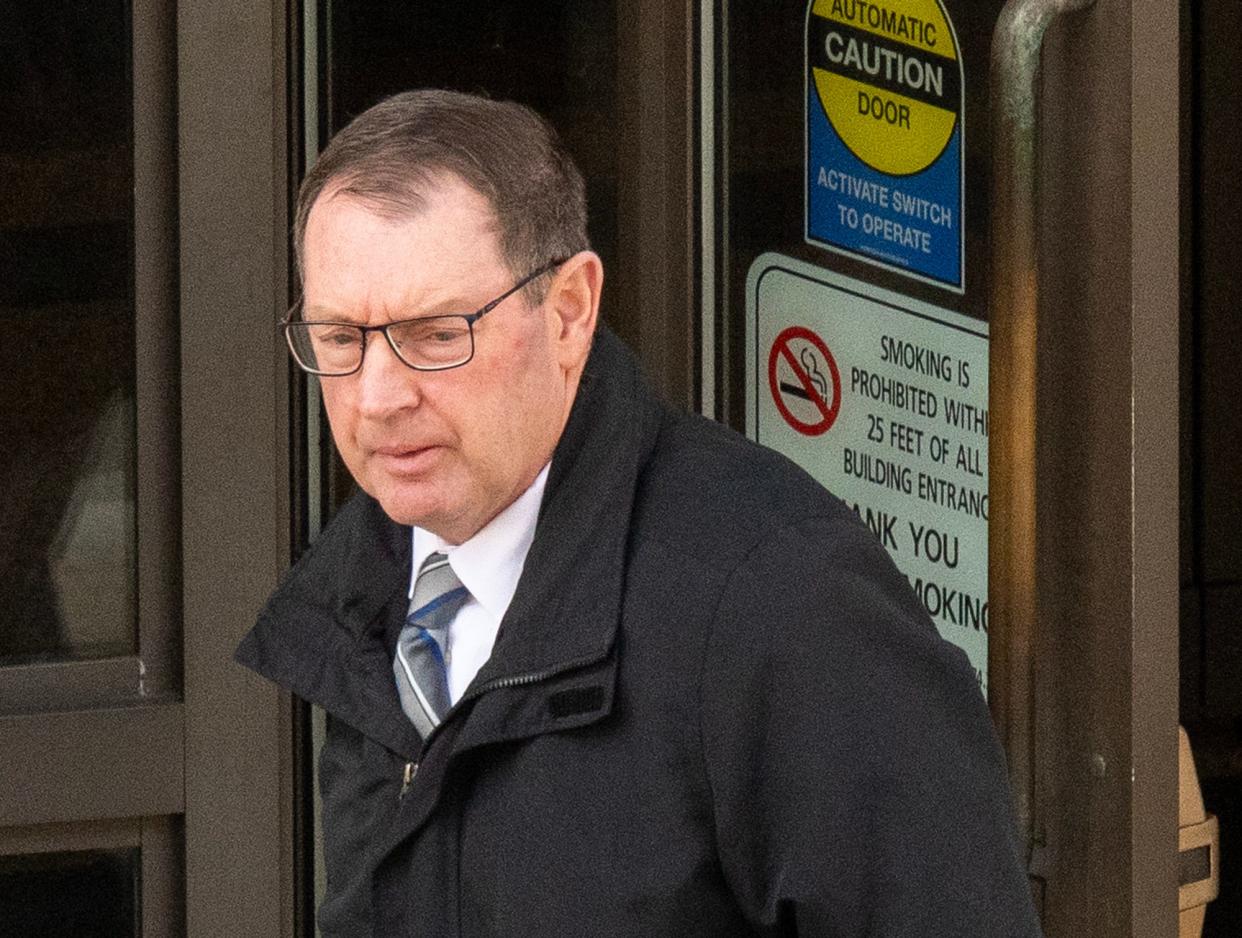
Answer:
(516, 681)
(407, 776)
(534, 677)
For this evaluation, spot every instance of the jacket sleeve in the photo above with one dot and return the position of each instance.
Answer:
(858, 788)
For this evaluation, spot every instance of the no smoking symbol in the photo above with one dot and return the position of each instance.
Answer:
(804, 380)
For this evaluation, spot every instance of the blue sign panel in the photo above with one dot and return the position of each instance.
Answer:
(884, 136)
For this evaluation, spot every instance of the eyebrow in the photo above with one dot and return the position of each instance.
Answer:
(330, 314)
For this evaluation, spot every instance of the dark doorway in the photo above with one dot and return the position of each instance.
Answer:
(1211, 438)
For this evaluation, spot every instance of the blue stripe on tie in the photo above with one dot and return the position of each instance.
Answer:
(419, 662)
(435, 645)
(436, 603)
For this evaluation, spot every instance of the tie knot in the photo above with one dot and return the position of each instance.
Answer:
(438, 594)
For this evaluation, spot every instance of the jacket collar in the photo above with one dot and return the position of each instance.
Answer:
(324, 633)
(568, 602)
(327, 631)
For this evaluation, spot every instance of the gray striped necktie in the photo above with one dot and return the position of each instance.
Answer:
(422, 679)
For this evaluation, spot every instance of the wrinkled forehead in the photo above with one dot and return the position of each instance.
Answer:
(361, 254)
(408, 196)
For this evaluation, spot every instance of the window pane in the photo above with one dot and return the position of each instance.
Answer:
(67, 520)
(86, 895)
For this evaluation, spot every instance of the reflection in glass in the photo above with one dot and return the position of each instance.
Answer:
(66, 332)
(86, 895)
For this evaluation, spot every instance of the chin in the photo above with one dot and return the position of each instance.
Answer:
(415, 511)
(402, 512)
(404, 506)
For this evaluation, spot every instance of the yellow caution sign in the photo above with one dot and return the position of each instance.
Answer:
(885, 90)
(888, 78)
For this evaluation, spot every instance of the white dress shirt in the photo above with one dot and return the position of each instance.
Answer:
(489, 565)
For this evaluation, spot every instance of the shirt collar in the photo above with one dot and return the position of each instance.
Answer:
(489, 564)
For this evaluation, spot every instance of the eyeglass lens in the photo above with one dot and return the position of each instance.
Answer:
(336, 348)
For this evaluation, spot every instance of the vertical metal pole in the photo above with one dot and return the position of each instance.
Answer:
(707, 207)
(156, 347)
(1017, 45)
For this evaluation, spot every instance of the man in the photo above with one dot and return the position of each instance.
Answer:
(592, 667)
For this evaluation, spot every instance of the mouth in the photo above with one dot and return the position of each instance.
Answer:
(406, 460)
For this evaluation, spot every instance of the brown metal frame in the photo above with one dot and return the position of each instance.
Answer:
(1084, 566)
(89, 764)
(658, 198)
(1017, 47)
(156, 347)
(158, 839)
(1155, 270)
(240, 785)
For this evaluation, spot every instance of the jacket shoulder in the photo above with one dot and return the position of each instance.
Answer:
(709, 492)
(750, 532)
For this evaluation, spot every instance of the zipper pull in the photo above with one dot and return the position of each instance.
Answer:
(411, 769)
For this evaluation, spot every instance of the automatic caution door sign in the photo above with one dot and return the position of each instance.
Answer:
(885, 94)
(884, 400)
(804, 381)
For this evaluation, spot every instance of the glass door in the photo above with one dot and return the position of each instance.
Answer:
(943, 286)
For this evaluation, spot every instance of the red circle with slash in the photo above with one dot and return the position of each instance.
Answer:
(805, 389)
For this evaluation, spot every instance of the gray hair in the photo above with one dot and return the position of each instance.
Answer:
(394, 151)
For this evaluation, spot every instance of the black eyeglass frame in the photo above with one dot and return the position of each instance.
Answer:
(289, 322)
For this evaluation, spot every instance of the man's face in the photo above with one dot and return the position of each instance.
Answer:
(446, 450)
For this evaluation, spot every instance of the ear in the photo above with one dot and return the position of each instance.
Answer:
(573, 307)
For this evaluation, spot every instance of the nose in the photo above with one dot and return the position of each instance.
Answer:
(385, 383)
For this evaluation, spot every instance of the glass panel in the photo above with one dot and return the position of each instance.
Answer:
(86, 895)
(67, 541)
(767, 106)
(852, 207)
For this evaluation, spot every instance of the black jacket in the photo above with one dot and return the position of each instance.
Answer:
(714, 708)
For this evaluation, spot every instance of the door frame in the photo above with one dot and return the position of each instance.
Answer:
(242, 825)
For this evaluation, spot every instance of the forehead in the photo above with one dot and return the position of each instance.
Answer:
(428, 201)
(359, 247)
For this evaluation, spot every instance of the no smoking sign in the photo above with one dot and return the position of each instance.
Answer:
(804, 380)
(883, 399)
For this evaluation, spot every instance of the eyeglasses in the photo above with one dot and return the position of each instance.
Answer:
(426, 343)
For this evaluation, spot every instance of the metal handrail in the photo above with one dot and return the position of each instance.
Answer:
(1017, 47)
